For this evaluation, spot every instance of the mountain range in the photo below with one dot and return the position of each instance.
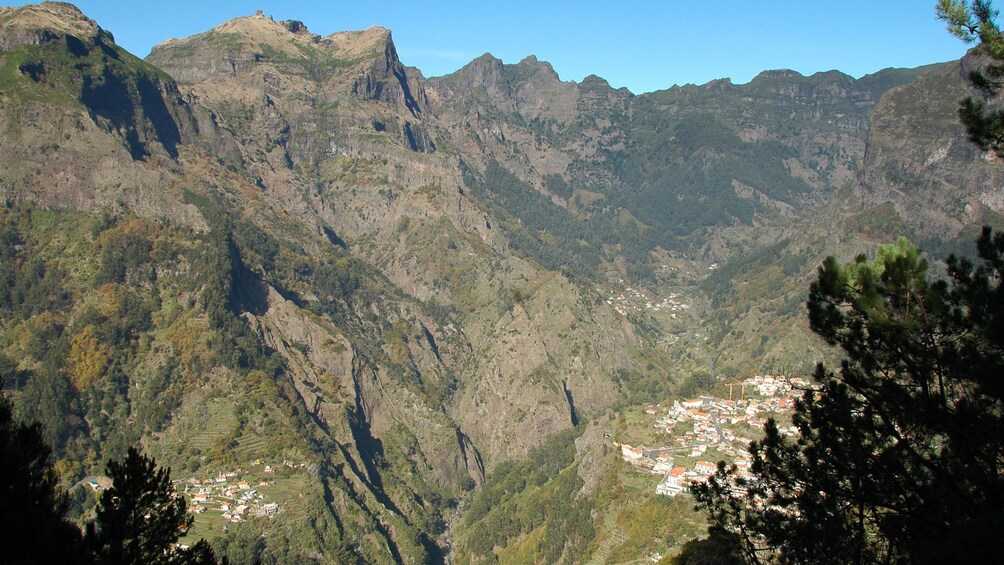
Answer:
(263, 244)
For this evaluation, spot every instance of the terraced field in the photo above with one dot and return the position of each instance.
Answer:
(219, 423)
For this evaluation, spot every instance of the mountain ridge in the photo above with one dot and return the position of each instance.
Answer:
(412, 282)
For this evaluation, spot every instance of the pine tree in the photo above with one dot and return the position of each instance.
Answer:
(900, 455)
(140, 518)
(976, 23)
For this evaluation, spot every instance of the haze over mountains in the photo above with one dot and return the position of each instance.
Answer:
(263, 244)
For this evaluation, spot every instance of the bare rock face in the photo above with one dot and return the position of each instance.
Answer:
(919, 158)
(305, 78)
(529, 88)
(331, 377)
(57, 47)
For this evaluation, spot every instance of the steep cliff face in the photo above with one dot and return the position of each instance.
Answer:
(919, 159)
(340, 135)
(530, 88)
(83, 114)
(67, 56)
(306, 86)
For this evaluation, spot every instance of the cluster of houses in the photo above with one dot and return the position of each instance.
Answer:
(675, 478)
(701, 423)
(235, 497)
(635, 300)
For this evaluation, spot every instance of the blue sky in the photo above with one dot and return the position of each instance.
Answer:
(643, 45)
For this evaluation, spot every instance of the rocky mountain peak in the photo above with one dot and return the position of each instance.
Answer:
(778, 74)
(531, 62)
(595, 81)
(491, 73)
(245, 43)
(362, 44)
(530, 88)
(47, 23)
(486, 70)
(256, 35)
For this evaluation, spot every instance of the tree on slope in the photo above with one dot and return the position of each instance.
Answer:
(140, 518)
(900, 452)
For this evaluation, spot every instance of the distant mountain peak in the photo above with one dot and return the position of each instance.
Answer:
(262, 34)
(485, 59)
(778, 74)
(293, 26)
(597, 83)
(491, 70)
(532, 62)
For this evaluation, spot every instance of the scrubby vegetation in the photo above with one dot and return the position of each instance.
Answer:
(529, 511)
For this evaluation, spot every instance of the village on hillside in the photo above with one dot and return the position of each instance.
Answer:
(634, 300)
(706, 429)
(234, 494)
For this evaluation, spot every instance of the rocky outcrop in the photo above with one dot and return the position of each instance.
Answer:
(919, 158)
(530, 88)
(319, 96)
(50, 23)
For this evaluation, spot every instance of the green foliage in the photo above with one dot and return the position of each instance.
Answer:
(228, 288)
(123, 252)
(882, 223)
(702, 131)
(638, 387)
(9, 240)
(534, 498)
(558, 186)
(719, 283)
(961, 22)
(37, 288)
(335, 282)
(48, 398)
(254, 242)
(140, 518)
(689, 183)
(104, 347)
(699, 382)
(976, 22)
(541, 229)
(719, 548)
(898, 453)
(159, 396)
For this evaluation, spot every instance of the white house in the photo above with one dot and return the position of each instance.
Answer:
(705, 468)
